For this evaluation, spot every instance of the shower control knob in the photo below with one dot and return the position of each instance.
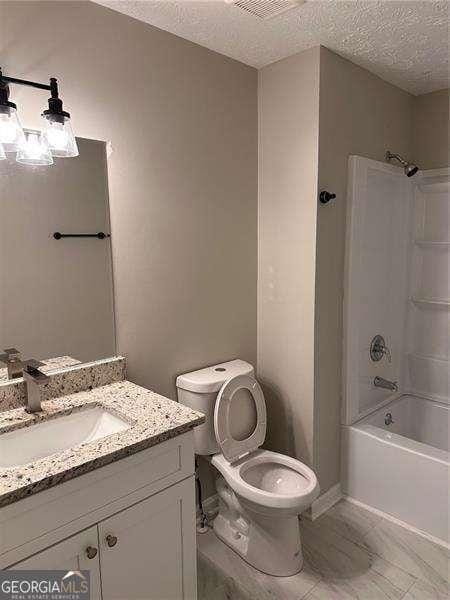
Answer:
(111, 540)
(325, 197)
(91, 552)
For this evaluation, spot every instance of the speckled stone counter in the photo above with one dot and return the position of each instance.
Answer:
(50, 364)
(153, 419)
(68, 380)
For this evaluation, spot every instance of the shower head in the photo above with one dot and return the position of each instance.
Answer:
(409, 168)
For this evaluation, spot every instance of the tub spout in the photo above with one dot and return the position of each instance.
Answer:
(385, 384)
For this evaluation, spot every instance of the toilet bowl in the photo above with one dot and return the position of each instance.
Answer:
(261, 493)
(269, 483)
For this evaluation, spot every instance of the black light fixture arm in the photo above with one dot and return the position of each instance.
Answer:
(55, 105)
(15, 80)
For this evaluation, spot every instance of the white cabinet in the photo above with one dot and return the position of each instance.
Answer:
(70, 555)
(136, 539)
(148, 550)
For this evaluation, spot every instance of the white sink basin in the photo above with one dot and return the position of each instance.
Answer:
(28, 444)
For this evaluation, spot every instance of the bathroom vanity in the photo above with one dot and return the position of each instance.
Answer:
(119, 503)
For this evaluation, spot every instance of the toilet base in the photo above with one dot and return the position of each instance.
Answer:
(269, 543)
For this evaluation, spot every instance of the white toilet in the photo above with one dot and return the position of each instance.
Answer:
(261, 493)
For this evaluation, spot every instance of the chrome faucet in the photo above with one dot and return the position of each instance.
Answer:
(34, 378)
(11, 358)
(385, 384)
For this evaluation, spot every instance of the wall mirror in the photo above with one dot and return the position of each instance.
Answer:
(56, 295)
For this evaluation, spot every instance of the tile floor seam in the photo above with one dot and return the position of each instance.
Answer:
(240, 587)
(310, 591)
(393, 584)
(389, 582)
(401, 568)
(410, 587)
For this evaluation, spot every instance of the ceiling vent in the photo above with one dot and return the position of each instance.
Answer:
(266, 9)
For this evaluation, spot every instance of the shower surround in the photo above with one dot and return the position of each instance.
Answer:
(396, 445)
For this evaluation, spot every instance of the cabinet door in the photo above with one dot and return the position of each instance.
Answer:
(148, 551)
(70, 555)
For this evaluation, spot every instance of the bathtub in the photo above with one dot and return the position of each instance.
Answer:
(402, 468)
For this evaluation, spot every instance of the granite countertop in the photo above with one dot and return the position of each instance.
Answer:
(50, 364)
(153, 419)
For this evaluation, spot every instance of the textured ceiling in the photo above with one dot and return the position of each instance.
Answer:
(404, 42)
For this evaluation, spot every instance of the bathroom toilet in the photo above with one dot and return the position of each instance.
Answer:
(261, 493)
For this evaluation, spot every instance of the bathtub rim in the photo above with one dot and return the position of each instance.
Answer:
(401, 441)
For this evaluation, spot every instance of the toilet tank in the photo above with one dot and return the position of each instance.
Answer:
(199, 389)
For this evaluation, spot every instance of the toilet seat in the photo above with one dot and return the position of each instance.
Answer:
(299, 492)
(231, 448)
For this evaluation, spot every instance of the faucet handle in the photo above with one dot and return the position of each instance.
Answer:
(13, 352)
(10, 355)
(31, 368)
(379, 348)
(11, 358)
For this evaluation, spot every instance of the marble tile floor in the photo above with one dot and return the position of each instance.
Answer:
(350, 553)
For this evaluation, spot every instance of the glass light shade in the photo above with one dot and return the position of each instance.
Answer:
(59, 135)
(2, 153)
(11, 132)
(34, 150)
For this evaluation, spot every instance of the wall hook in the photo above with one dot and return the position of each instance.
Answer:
(325, 197)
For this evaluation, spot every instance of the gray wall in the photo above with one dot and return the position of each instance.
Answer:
(56, 297)
(289, 135)
(182, 121)
(431, 130)
(359, 114)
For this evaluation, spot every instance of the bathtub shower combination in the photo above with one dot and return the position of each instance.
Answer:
(396, 344)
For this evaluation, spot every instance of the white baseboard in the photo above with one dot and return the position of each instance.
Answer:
(392, 519)
(324, 502)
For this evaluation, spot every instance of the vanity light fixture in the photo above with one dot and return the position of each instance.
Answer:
(11, 132)
(36, 148)
(57, 128)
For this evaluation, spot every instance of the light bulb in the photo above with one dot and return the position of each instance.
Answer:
(34, 150)
(59, 135)
(11, 132)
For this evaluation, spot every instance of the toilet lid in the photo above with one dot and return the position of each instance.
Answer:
(225, 417)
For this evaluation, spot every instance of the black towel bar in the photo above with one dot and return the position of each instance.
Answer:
(100, 235)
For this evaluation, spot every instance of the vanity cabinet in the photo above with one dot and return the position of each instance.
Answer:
(69, 555)
(138, 545)
(141, 548)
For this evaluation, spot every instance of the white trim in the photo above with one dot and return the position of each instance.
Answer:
(392, 519)
(324, 502)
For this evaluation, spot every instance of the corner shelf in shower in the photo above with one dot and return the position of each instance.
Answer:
(429, 303)
(429, 375)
